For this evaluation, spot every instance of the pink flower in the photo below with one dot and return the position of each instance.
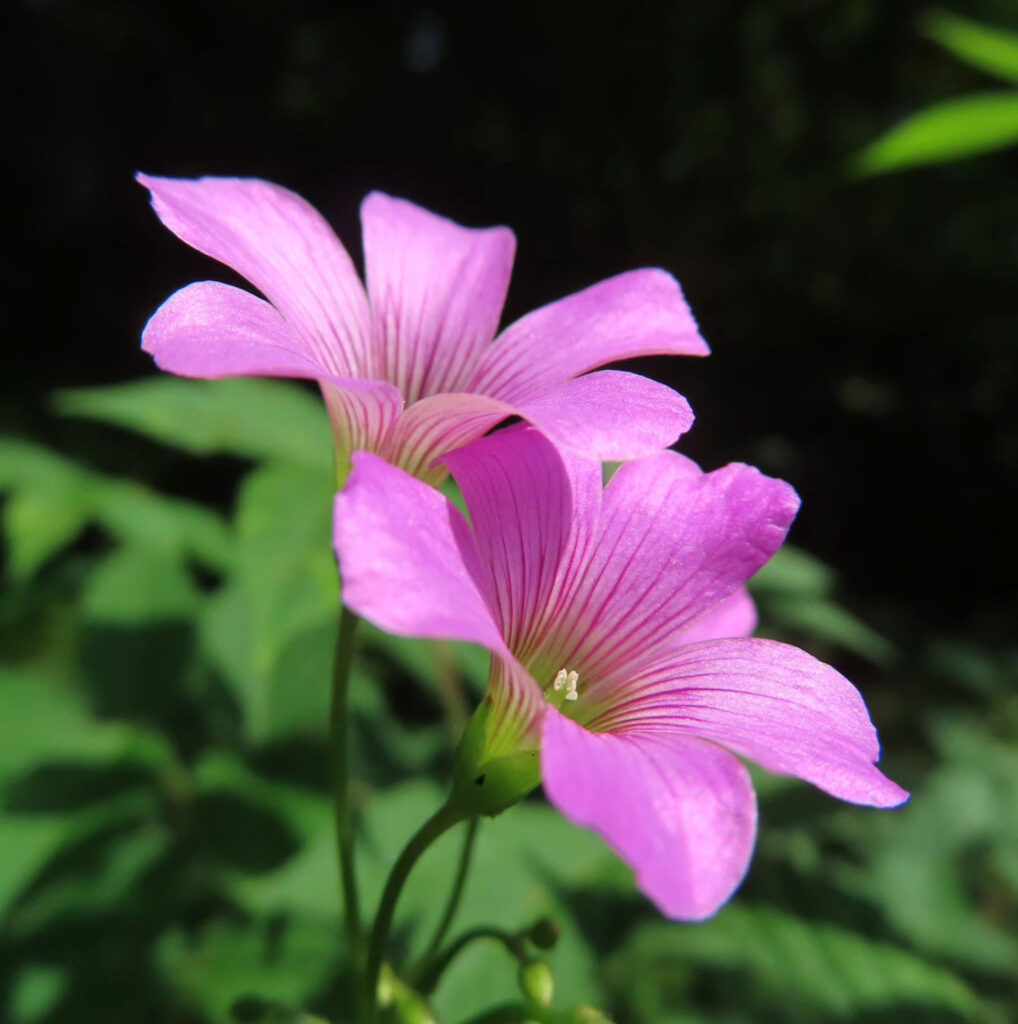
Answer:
(407, 367)
(607, 612)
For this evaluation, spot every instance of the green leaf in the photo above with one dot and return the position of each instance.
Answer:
(307, 884)
(985, 47)
(37, 527)
(52, 498)
(950, 130)
(133, 586)
(45, 721)
(254, 419)
(790, 965)
(29, 842)
(826, 621)
(794, 592)
(35, 993)
(26, 844)
(224, 963)
(936, 865)
(99, 885)
(284, 593)
(794, 571)
(134, 514)
(523, 861)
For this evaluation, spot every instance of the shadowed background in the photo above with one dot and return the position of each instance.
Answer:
(863, 329)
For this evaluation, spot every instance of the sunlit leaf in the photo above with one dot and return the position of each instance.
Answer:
(794, 571)
(37, 527)
(136, 585)
(44, 721)
(54, 497)
(285, 587)
(135, 514)
(26, 844)
(985, 47)
(255, 419)
(949, 130)
(523, 862)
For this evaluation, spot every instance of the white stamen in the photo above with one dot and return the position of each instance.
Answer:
(566, 681)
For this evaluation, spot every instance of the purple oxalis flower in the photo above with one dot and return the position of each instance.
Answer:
(618, 622)
(407, 367)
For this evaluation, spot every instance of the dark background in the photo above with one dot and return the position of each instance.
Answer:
(864, 332)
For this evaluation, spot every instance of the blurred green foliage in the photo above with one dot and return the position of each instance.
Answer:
(166, 846)
(955, 128)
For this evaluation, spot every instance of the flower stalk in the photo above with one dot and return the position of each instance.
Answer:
(462, 870)
(436, 966)
(340, 740)
(448, 815)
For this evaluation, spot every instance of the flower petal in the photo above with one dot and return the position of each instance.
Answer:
(672, 544)
(214, 330)
(639, 313)
(610, 415)
(363, 414)
(530, 505)
(767, 701)
(679, 811)
(406, 557)
(285, 248)
(437, 291)
(734, 617)
(439, 424)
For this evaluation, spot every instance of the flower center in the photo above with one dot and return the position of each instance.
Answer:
(566, 681)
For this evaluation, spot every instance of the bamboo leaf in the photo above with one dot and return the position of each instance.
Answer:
(986, 47)
(950, 130)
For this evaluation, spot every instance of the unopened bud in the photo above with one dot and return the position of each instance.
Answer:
(536, 980)
(588, 1015)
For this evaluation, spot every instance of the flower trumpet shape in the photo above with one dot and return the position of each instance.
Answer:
(407, 367)
(617, 620)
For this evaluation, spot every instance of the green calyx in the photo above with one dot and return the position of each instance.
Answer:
(492, 772)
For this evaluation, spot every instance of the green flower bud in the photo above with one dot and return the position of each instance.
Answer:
(402, 1002)
(491, 774)
(536, 981)
(588, 1015)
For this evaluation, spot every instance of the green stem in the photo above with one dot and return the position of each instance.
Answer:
(457, 892)
(340, 736)
(436, 968)
(441, 821)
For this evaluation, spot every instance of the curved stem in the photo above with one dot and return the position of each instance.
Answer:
(340, 729)
(442, 820)
(436, 968)
(457, 891)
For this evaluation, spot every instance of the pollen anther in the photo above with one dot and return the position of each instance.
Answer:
(566, 681)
